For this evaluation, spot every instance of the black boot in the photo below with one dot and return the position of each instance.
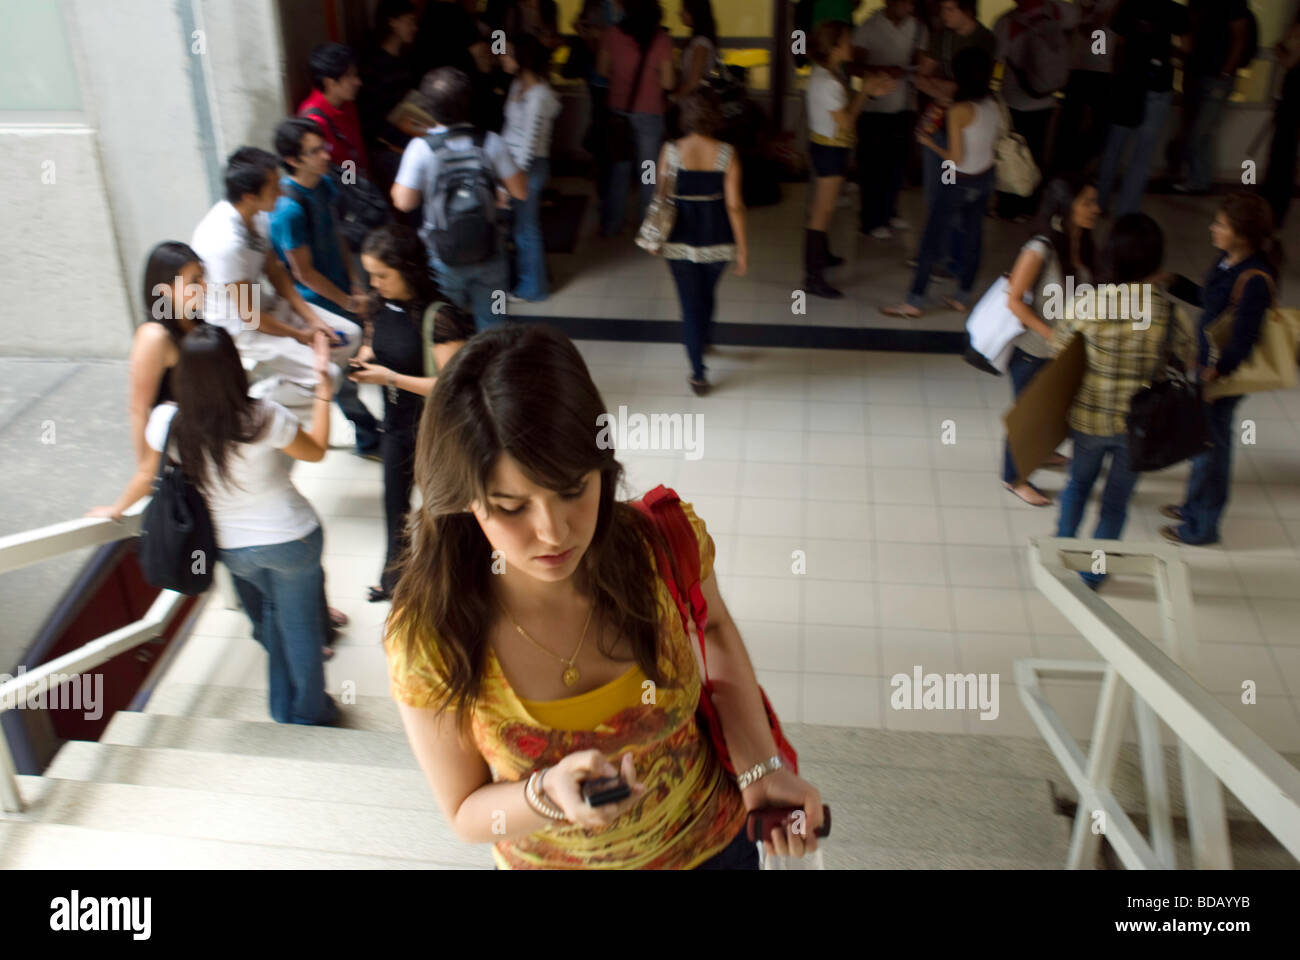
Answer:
(831, 259)
(814, 263)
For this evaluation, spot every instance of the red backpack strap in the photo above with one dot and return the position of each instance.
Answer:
(680, 567)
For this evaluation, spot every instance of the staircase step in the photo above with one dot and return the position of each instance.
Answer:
(46, 846)
(329, 826)
(206, 735)
(263, 776)
(377, 714)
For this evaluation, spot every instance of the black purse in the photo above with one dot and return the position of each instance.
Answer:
(1166, 421)
(178, 547)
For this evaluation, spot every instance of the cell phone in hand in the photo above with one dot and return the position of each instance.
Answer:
(605, 790)
(761, 822)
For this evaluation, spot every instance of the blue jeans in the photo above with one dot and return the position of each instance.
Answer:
(697, 285)
(528, 235)
(1145, 139)
(966, 202)
(280, 586)
(1022, 369)
(1205, 99)
(648, 128)
(1089, 452)
(474, 288)
(931, 171)
(1207, 487)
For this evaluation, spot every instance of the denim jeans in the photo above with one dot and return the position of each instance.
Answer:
(648, 128)
(1207, 487)
(474, 287)
(931, 173)
(697, 286)
(965, 201)
(1205, 99)
(280, 587)
(1144, 138)
(1089, 452)
(529, 244)
(1022, 369)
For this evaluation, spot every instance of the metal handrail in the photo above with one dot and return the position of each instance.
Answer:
(1213, 742)
(32, 546)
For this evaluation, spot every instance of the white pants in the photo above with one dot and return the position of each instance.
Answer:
(282, 369)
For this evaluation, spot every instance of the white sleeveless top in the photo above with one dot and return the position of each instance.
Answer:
(980, 137)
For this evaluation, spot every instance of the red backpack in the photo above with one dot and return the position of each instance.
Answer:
(663, 507)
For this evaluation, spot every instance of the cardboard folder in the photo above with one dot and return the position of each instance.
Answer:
(1040, 418)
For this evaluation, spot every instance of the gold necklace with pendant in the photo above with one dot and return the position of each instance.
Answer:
(570, 675)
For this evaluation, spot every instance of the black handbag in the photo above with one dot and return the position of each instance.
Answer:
(1166, 421)
(178, 547)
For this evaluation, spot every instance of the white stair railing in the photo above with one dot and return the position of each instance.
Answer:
(1214, 746)
(33, 546)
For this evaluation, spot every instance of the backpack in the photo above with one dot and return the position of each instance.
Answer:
(1040, 56)
(359, 205)
(178, 547)
(461, 208)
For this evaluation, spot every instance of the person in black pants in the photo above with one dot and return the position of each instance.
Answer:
(1243, 282)
(397, 357)
(1279, 183)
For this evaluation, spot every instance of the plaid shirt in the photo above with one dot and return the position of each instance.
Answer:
(1121, 360)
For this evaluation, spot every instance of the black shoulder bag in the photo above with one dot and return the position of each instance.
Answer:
(177, 544)
(1166, 421)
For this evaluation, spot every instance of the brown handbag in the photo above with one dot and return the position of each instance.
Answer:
(1271, 364)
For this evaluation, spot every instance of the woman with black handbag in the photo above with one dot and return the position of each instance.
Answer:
(1124, 353)
(1237, 285)
(268, 536)
(535, 645)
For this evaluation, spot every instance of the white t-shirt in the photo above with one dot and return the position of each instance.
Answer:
(231, 254)
(825, 96)
(419, 167)
(980, 137)
(529, 121)
(260, 505)
(888, 45)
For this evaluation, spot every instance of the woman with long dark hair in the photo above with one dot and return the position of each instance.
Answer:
(173, 296)
(637, 57)
(268, 536)
(701, 50)
(1062, 247)
(533, 644)
(1243, 283)
(395, 358)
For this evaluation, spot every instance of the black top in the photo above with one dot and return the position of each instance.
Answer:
(165, 392)
(398, 343)
(385, 81)
(1213, 299)
(447, 31)
(1147, 29)
(1213, 33)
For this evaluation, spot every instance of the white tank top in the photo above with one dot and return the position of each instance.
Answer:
(980, 136)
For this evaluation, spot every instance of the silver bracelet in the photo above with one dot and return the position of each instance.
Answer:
(758, 771)
(535, 801)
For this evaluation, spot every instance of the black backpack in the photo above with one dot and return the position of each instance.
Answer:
(178, 547)
(360, 206)
(461, 207)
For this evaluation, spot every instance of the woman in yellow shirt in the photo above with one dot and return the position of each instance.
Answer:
(533, 645)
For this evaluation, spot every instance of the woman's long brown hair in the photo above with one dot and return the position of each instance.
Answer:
(522, 389)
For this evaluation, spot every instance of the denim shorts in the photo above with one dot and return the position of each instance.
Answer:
(829, 161)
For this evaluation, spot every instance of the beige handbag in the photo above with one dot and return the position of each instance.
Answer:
(661, 215)
(1017, 173)
(1271, 365)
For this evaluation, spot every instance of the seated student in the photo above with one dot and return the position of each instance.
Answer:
(1124, 354)
(454, 146)
(397, 358)
(519, 680)
(233, 448)
(306, 237)
(336, 80)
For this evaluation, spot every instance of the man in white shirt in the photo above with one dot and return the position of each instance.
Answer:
(273, 332)
(891, 38)
(477, 276)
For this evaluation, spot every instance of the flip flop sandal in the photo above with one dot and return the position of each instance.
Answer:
(902, 312)
(1047, 500)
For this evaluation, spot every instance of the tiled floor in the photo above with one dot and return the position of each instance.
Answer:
(914, 553)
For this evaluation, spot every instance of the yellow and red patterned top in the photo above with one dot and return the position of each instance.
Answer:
(691, 809)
